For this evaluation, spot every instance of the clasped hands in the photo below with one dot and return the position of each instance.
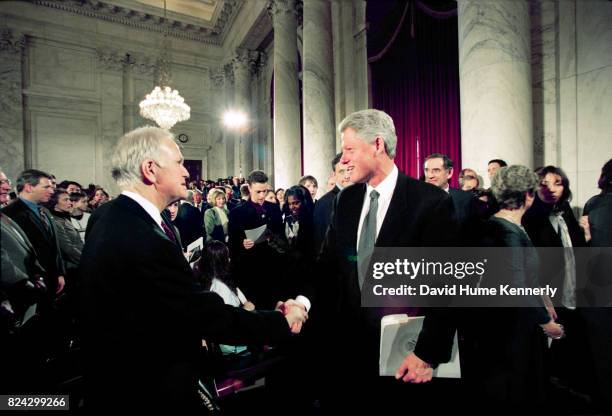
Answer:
(295, 314)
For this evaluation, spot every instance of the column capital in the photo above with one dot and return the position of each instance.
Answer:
(278, 8)
(228, 71)
(12, 42)
(217, 77)
(245, 59)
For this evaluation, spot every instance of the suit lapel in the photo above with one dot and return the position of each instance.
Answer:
(395, 214)
(18, 235)
(353, 215)
(48, 235)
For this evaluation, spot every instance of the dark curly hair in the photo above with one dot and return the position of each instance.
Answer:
(605, 179)
(567, 194)
(302, 194)
(214, 264)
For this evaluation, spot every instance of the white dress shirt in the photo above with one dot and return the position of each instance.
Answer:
(146, 205)
(385, 192)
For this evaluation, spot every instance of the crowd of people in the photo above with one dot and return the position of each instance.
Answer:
(118, 278)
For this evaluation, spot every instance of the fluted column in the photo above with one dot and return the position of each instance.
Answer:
(495, 81)
(243, 63)
(230, 136)
(287, 149)
(128, 94)
(15, 136)
(318, 91)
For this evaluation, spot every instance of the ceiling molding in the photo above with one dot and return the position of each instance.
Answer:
(145, 21)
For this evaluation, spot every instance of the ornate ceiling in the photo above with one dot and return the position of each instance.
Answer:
(206, 21)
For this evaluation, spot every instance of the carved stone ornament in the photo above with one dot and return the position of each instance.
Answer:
(109, 60)
(276, 7)
(145, 21)
(217, 77)
(11, 43)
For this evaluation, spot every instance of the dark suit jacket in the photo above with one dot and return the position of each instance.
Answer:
(257, 281)
(322, 216)
(45, 243)
(19, 263)
(466, 214)
(419, 215)
(542, 234)
(144, 314)
(190, 223)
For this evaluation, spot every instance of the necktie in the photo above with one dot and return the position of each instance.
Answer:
(168, 231)
(44, 219)
(367, 238)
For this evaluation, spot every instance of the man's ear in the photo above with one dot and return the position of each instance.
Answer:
(380, 144)
(147, 168)
(450, 173)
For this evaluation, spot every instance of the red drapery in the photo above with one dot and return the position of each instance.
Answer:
(416, 82)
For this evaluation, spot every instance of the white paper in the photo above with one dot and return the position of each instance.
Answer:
(29, 313)
(197, 244)
(256, 235)
(398, 338)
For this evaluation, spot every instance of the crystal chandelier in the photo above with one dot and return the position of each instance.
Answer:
(164, 105)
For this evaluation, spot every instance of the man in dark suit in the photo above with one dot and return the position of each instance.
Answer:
(260, 284)
(35, 188)
(438, 169)
(384, 208)
(323, 207)
(189, 221)
(21, 287)
(143, 313)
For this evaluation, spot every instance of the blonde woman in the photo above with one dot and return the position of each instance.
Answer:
(216, 218)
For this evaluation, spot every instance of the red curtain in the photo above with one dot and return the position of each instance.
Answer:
(416, 82)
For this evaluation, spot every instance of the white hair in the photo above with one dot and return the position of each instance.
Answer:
(132, 149)
(370, 124)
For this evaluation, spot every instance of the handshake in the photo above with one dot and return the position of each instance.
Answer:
(295, 314)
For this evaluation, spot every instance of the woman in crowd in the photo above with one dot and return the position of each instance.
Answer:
(551, 223)
(214, 273)
(507, 344)
(70, 242)
(298, 220)
(469, 180)
(298, 225)
(100, 196)
(216, 218)
(280, 196)
(80, 213)
(271, 197)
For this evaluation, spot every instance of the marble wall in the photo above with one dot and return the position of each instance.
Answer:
(70, 91)
(350, 58)
(572, 89)
(495, 83)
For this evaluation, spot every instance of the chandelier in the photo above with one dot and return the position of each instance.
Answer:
(164, 105)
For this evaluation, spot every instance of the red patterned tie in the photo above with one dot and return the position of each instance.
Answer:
(168, 232)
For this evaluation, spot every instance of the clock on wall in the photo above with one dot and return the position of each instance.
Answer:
(183, 138)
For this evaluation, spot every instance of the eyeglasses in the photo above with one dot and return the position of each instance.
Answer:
(5, 181)
(469, 177)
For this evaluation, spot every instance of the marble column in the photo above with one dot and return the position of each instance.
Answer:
(361, 57)
(229, 137)
(242, 63)
(110, 69)
(128, 94)
(495, 82)
(216, 157)
(318, 91)
(14, 152)
(287, 148)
